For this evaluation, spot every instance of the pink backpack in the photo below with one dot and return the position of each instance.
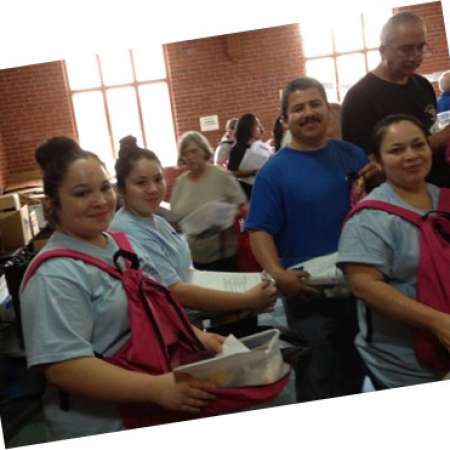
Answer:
(433, 277)
(161, 339)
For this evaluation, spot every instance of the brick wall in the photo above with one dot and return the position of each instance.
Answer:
(224, 75)
(34, 105)
(3, 161)
(231, 75)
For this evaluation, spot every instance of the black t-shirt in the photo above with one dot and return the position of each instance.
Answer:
(372, 99)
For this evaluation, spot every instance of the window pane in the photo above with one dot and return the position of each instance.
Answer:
(348, 32)
(123, 113)
(92, 127)
(316, 40)
(158, 123)
(82, 72)
(323, 70)
(374, 20)
(149, 63)
(350, 69)
(373, 59)
(116, 67)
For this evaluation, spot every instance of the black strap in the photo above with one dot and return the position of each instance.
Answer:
(129, 256)
(369, 324)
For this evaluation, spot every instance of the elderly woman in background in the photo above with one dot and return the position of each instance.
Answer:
(203, 183)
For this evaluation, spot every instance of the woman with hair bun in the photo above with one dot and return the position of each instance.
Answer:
(72, 311)
(142, 187)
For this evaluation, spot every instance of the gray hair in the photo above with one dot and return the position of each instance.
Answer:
(444, 81)
(401, 18)
(194, 137)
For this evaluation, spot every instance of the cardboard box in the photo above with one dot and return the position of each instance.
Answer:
(23, 180)
(9, 202)
(15, 230)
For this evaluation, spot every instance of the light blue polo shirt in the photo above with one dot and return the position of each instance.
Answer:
(72, 309)
(391, 244)
(168, 250)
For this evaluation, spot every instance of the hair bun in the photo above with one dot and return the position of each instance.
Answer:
(54, 149)
(128, 144)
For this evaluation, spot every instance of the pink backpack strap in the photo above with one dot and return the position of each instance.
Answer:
(444, 200)
(68, 253)
(122, 240)
(404, 213)
(125, 251)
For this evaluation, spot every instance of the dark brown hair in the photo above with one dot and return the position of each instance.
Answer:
(55, 157)
(381, 128)
(129, 154)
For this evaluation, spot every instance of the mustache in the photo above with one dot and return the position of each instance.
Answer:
(310, 119)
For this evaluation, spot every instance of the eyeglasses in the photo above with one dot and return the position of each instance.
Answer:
(422, 49)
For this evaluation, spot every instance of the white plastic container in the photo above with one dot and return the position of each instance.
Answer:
(261, 364)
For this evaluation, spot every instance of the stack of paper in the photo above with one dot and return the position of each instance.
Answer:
(212, 215)
(225, 281)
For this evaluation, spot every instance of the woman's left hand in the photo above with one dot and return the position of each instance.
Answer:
(211, 341)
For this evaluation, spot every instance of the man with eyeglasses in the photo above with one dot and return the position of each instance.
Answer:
(394, 87)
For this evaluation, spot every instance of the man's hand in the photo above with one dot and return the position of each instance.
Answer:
(371, 171)
(292, 283)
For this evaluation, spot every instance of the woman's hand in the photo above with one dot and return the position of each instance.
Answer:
(292, 283)
(262, 296)
(211, 341)
(181, 392)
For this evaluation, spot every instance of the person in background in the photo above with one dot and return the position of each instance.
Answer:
(394, 87)
(277, 134)
(72, 311)
(443, 101)
(203, 183)
(379, 253)
(142, 186)
(334, 126)
(300, 199)
(248, 133)
(222, 152)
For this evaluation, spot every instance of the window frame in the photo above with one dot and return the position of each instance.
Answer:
(135, 84)
(334, 55)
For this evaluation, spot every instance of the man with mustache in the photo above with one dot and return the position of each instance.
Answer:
(299, 202)
(393, 87)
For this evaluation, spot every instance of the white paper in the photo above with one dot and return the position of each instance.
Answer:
(231, 346)
(225, 281)
(211, 215)
(255, 157)
(322, 270)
